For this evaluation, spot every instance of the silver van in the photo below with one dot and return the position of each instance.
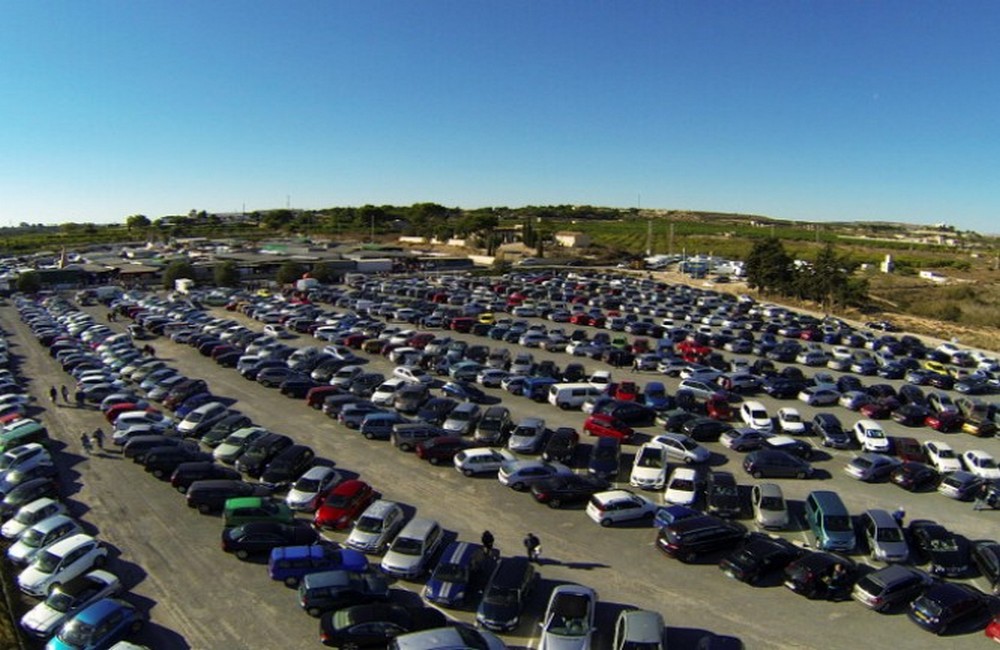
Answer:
(410, 553)
(884, 536)
(376, 526)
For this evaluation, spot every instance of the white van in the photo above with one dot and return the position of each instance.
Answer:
(572, 396)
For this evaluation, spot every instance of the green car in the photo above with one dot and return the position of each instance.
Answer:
(245, 510)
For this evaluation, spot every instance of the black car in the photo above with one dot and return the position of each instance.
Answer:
(782, 388)
(297, 386)
(561, 446)
(722, 495)
(911, 415)
(374, 625)
(687, 539)
(506, 594)
(986, 555)
(914, 476)
(436, 410)
(759, 555)
(466, 392)
(564, 490)
(221, 429)
(674, 419)
(605, 458)
(333, 590)
(260, 452)
(365, 384)
(794, 446)
(947, 552)
(631, 413)
(334, 404)
(260, 537)
(26, 492)
(890, 587)
(822, 575)
(211, 495)
(776, 464)
(199, 470)
(831, 432)
(945, 604)
(137, 448)
(705, 429)
(162, 461)
(287, 466)
(274, 376)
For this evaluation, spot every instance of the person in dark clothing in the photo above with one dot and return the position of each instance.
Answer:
(53, 393)
(85, 443)
(98, 437)
(488, 542)
(533, 546)
(65, 394)
(79, 399)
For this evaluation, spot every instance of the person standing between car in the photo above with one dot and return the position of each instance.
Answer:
(533, 546)
(98, 437)
(488, 542)
(899, 515)
(982, 496)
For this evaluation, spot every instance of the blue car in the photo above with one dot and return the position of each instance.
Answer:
(192, 403)
(290, 563)
(99, 626)
(451, 583)
(668, 515)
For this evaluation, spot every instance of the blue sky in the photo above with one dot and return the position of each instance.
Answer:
(834, 110)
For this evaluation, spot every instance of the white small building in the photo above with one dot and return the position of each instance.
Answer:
(572, 239)
(933, 276)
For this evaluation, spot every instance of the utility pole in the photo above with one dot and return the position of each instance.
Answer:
(671, 251)
(649, 237)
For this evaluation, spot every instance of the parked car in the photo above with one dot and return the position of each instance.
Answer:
(289, 564)
(61, 562)
(616, 506)
(564, 490)
(99, 625)
(944, 604)
(870, 467)
(776, 464)
(947, 552)
(211, 495)
(759, 555)
(890, 587)
(568, 622)
(688, 539)
(770, 511)
(311, 488)
(45, 618)
(338, 589)
(914, 476)
(262, 536)
(822, 575)
(343, 504)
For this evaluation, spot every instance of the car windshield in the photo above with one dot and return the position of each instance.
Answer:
(792, 417)
(76, 633)
(682, 484)
(569, 617)
(726, 490)
(502, 597)
(449, 572)
(927, 607)
(307, 485)
(943, 545)
(651, 458)
(945, 453)
(987, 463)
(407, 546)
(875, 433)
(369, 525)
(689, 444)
(46, 562)
(889, 535)
(338, 501)
(863, 463)
(838, 523)
(59, 601)
(772, 503)
(33, 538)
(26, 517)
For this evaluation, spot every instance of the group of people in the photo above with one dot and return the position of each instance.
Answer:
(88, 440)
(532, 545)
(78, 396)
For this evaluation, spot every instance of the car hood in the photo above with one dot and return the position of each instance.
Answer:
(448, 592)
(42, 619)
(21, 552)
(299, 498)
(32, 577)
(556, 642)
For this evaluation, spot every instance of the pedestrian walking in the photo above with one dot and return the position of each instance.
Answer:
(533, 546)
(79, 399)
(98, 437)
(65, 394)
(53, 393)
(85, 443)
(487, 540)
(899, 515)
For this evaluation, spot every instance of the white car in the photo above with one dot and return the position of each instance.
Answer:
(755, 415)
(385, 393)
(682, 447)
(649, 468)
(790, 421)
(491, 377)
(871, 436)
(63, 602)
(684, 486)
(153, 419)
(568, 623)
(981, 464)
(942, 457)
(614, 506)
(309, 489)
(60, 563)
(482, 460)
(519, 475)
(770, 511)
(412, 374)
(278, 331)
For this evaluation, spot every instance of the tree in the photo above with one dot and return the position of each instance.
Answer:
(176, 270)
(29, 282)
(227, 274)
(137, 222)
(769, 268)
(289, 272)
(322, 272)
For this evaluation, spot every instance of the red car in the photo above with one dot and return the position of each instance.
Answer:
(344, 504)
(420, 340)
(909, 449)
(111, 415)
(441, 449)
(875, 410)
(318, 394)
(627, 391)
(356, 340)
(945, 421)
(603, 425)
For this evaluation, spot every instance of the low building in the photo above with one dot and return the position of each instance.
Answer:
(572, 239)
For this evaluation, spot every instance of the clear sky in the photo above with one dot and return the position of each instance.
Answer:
(814, 110)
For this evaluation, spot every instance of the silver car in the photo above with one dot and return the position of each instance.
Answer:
(884, 536)
(682, 447)
(770, 511)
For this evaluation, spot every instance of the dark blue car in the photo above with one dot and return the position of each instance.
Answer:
(450, 584)
(290, 563)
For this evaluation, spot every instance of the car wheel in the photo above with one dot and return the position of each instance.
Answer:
(555, 503)
(435, 461)
(314, 612)
(606, 523)
(204, 508)
(517, 487)
(182, 489)
(158, 473)
(242, 554)
(370, 435)
(800, 475)
(758, 474)
(100, 561)
(468, 472)
(291, 581)
(136, 625)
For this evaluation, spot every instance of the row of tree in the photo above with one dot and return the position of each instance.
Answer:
(827, 280)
